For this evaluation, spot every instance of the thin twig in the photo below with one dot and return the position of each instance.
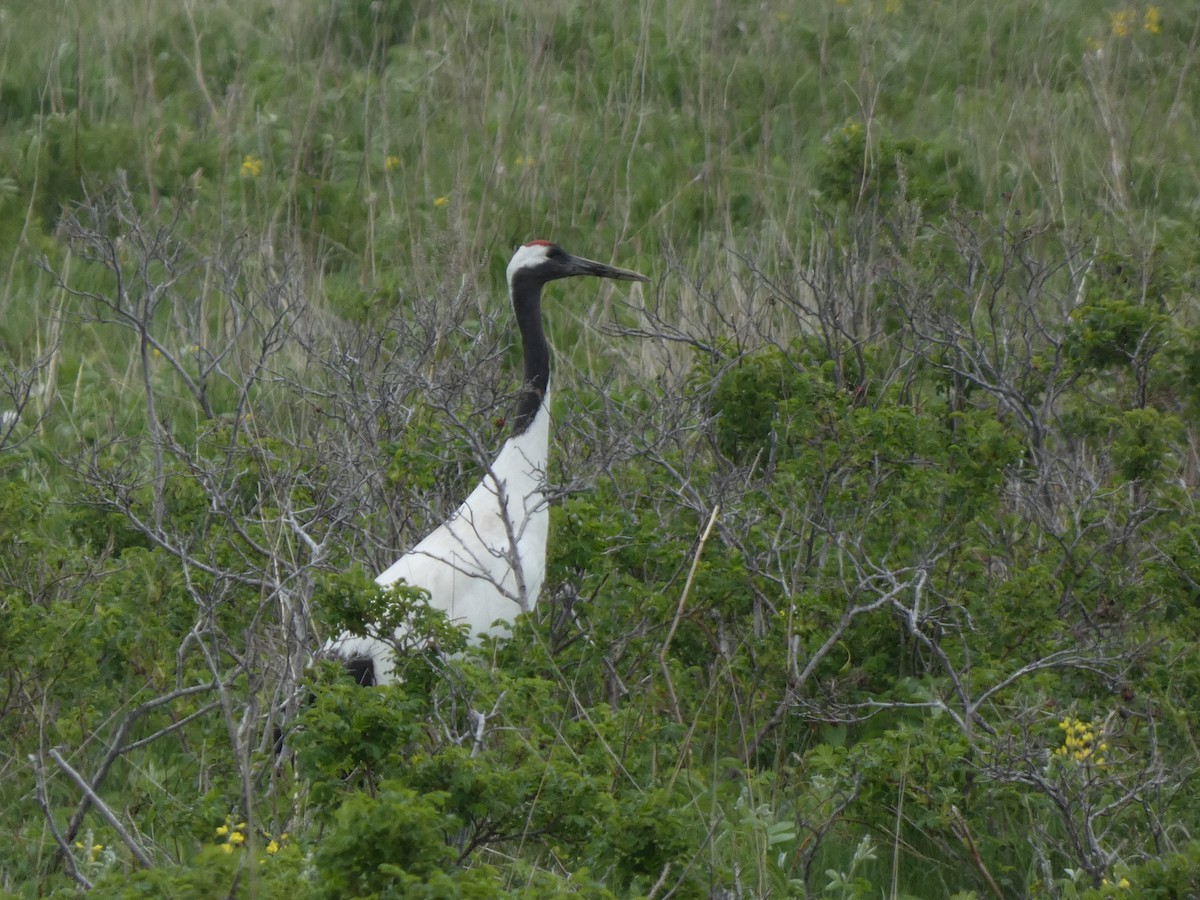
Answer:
(118, 747)
(101, 807)
(479, 719)
(687, 587)
(662, 879)
(44, 803)
(174, 726)
(964, 832)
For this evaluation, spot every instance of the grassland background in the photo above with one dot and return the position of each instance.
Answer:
(384, 153)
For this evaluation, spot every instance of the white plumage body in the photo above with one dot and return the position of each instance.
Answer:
(487, 562)
(489, 558)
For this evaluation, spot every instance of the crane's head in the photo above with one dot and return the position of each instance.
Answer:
(542, 261)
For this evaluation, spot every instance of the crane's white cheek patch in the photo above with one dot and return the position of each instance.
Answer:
(529, 256)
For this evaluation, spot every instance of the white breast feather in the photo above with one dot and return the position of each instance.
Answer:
(467, 564)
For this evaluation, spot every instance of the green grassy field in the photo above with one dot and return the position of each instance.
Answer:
(874, 563)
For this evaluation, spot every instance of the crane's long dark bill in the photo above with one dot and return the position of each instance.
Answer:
(581, 266)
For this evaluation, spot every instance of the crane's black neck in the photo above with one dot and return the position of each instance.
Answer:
(527, 303)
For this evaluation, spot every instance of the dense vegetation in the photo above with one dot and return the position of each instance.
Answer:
(875, 568)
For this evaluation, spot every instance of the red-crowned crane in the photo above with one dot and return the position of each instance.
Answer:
(488, 561)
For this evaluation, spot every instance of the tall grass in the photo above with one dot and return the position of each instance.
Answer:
(595, 124)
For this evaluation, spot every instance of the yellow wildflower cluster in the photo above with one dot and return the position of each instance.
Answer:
(1123, 884)
(1124, 22)
(848, 135)
(439, 202)
(524, 162)
(252, 166)
(1080, 743)
(234, 836)
(93, 850)
(391, 164)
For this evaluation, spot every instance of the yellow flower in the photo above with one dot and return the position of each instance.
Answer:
(227, 848)
(392, 163)
(439, 202)
(1123, 884)
(251, 166)
(222, 830)
(1122, 22)
(237, 838)
(1079, 742)
(273, 847)
(1152, 21)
